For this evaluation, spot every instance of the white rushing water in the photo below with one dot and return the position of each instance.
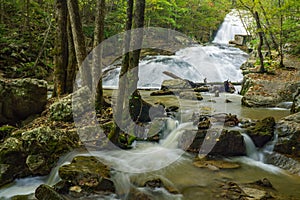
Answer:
(216, 62)
(232, 25)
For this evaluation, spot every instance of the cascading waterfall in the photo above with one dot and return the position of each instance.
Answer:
(217, 62)
(232, 25)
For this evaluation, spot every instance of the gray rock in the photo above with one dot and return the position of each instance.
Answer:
(21, 98)
(190, 95)
(175, 84)
(288, 130)
(79, 101)
(296, 102)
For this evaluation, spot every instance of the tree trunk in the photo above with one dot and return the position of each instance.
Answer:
(97, 57)
(261, 41)
(72, 64)
(61, 48)
(79, 41)
(281, 37)
(121, 100)
(273, 39)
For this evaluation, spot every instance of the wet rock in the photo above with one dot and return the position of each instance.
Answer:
(296, 102)
(88, 173)
(34, 152)
(159, 183)
(142, 111)
(175, 84)
(226, 143)
(283, 162)
(162, 93)
(202, 89)
(262, 132)
(288, 130)
(231, 120)
(214, 164)
(190, 95)
(45, 192)
(215, 142)
(17, 98)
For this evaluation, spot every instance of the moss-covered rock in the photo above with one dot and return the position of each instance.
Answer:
(34, 152)
(88, 173)
(17, 98)
(262, 132)
(5, 131)
(45, 192)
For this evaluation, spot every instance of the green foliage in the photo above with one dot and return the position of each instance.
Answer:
(279, 18)
(22, 33)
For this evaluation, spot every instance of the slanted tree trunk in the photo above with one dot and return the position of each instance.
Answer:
(79, 41)
(97, 58)
(61, 48)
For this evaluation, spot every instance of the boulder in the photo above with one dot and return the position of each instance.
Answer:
(21, 98)
(283, 162)
(296, 102)
(214, 142)
(262, 132)
(33, 152)
(288, 130)
(88, 173)
(142, 111)
(162, 93)
(190, 95)
(62, 110)
(45, 192)
(261, 90)
(175, 84)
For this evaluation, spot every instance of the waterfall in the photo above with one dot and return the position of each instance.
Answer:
(214, 62)
(251, 149)
(231, 26)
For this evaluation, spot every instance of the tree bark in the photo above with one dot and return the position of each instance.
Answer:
(61, 48)
(97, 58)
(261, 41)
(72, 64)
(121, 100)
(79, 41)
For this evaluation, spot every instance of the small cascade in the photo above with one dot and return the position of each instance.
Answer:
(251, 149)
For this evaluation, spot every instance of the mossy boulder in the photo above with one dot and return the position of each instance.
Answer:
(89, 173)
(78, 101)
(34, 152)
(262, 132)
(45, 192)
(17, 98)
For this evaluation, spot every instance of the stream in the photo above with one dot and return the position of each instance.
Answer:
(216, 62)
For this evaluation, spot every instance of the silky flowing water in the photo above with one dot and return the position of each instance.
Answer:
(216, 63)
